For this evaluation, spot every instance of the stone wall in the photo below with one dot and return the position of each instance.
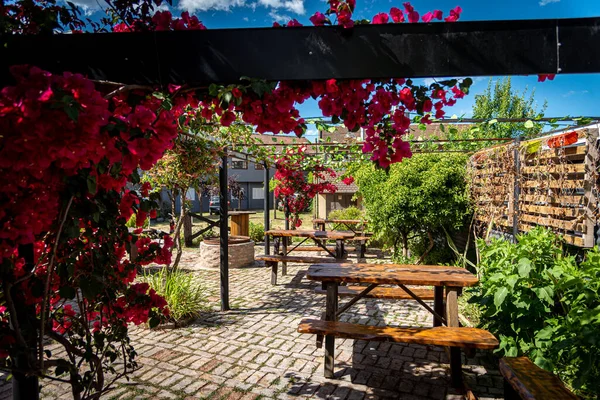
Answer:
(240, 255)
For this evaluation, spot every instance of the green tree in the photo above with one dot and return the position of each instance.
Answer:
(418, 196)
(501, 100)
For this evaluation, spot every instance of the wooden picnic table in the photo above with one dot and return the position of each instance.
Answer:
(319, 237)
(452, 279)
(350, 224)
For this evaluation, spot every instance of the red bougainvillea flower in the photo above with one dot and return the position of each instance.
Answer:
(543, 77)
(397, 15)
(236, 92)
(381, 18)
(348, 180)
(319, 19)
(413, 16)
(454, 14)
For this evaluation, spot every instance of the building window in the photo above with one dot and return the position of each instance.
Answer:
(259, 166)
(258, 194)
(239, 164)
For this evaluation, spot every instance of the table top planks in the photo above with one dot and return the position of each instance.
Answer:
(333, 235)
(339, 221)
(392, 274)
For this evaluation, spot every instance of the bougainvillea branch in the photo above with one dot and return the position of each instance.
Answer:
(293, 185)
(65, 145)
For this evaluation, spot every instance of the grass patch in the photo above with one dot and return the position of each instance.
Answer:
(185, 296)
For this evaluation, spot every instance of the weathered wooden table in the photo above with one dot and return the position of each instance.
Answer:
(350, 224)
(240, 222)
(319, 237)
(450, 278)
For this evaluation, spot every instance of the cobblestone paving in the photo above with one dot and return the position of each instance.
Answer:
(254, 352)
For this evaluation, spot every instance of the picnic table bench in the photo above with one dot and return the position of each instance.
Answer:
(361, 237)
(273, 261)
(525, 380)
(350, 224)
(320, 239)
(445, 332)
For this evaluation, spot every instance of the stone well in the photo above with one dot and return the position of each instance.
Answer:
(241, 252)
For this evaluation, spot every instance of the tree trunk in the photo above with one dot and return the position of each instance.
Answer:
(187, 230)
(431, 244)
(177, 233)
(404, 245)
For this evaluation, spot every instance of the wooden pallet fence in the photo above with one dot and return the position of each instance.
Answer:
(555, 187)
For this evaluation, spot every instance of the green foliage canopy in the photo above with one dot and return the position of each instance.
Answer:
(502, 101)
(421, 194)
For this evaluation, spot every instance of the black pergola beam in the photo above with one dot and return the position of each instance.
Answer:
(198, 58)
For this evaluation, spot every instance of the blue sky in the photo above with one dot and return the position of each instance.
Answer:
(566, 95)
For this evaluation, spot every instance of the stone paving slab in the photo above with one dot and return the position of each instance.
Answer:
(254, 352)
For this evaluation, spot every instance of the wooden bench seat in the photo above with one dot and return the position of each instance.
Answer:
(525, 380)
(273, 261)
(473, 338)
(382, 292)
(313, 248)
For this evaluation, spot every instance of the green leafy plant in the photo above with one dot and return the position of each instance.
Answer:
(257, 232)
(131, 222)
(347, 213)
(185, 296)
(542, 304)
(429, 193)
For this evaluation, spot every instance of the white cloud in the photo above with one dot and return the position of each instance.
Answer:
(279, 17)
(543, 3)
(311, 133)
(204, 5)
(246, 19)
(575, 92)
(294, 6)
(90, 6)
(162, 7)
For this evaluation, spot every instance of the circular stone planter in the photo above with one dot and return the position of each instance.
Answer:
(241, 252)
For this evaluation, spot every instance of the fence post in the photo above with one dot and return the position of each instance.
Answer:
(517, 188)
(591, 174)
(224, 232)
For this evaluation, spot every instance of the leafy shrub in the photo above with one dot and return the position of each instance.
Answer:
(131, 223)
(439, 254)
(257, 232)
(540, 303)
(185, 296)
(424, 193)
(347, 213)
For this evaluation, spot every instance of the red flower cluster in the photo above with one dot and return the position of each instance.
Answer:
(164, 21)
(292, 185)
(349, 180)
(63, 142)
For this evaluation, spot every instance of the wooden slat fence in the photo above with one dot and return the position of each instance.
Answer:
(552, 187)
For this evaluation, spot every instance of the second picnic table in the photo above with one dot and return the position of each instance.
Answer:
(319, 237)
(351, 224)
(445, 308)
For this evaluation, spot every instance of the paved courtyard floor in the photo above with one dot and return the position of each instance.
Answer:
(254, 352)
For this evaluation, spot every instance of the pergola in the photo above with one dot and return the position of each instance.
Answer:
(199, 58)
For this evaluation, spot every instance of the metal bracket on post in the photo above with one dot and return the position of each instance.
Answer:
(267, 208)
(517, 188)
(224, 232)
